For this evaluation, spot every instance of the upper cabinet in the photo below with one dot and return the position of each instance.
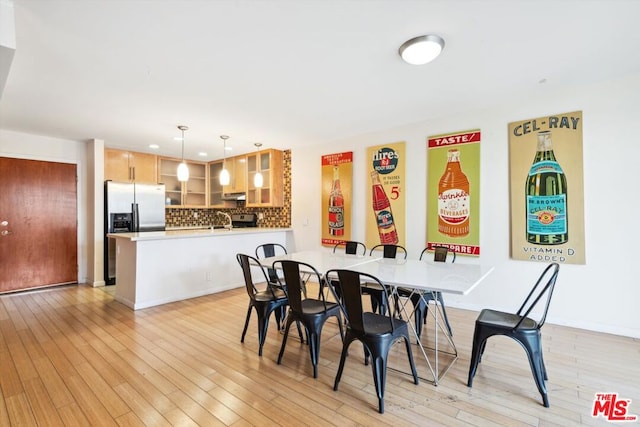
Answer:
(270, 164)
(129, 166)
(215, 189)
(237, 167)
(192, 193)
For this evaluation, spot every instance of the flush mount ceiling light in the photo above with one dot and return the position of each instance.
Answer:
(225, 178)
(183, 169)
(258, 180)
(422, 49)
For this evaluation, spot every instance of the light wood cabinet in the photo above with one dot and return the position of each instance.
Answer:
(192, 193)
(271, 164)
(237, 167)
(215, 189)
(129, 166)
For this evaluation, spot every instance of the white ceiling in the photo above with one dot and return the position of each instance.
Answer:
(293, 72)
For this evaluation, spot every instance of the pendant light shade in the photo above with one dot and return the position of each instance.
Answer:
(183, 169)
(258, 179)
(225, 178)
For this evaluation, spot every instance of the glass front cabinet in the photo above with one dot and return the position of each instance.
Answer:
(192, 193)
(270, 164)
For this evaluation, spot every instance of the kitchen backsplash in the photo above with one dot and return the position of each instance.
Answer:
(203, 217)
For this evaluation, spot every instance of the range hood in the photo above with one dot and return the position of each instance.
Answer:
(234, 196)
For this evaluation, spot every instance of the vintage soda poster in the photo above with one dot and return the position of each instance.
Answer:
(547, 190)
(453, 192)
(385, 221)
(337, 176)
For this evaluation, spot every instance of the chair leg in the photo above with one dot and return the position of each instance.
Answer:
(284, 338)
(476, 351)
(379, 368)
(246, 323)
(314, 350)
(343, 357)
(263, 326)
(412, 364)
(534, 354)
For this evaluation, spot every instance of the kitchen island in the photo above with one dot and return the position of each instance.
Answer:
(159, 267)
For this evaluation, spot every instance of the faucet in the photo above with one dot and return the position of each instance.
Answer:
(228, 226)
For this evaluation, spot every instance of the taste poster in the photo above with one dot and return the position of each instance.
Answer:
(337, 176)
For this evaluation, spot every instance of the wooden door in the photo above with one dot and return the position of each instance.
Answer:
(38, 224)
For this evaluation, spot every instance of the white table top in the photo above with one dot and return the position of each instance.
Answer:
(452, 278)
(321, 260)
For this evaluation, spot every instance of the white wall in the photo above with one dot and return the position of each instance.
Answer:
(36, 147)
(602, 295)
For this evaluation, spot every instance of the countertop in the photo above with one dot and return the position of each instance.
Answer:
(194, 233)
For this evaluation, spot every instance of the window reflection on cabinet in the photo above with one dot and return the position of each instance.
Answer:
(190, 193)
(270, 164)
(237, 167)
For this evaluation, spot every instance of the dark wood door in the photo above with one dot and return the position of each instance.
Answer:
(38, 224)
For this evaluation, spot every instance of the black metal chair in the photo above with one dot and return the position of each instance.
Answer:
(263, 301)
(420, 301)
(267, 250)
(378, 302)
(520, 327)
(351, 247)
(312, 313)
(377, 332)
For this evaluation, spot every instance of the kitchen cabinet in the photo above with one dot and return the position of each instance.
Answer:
(215, 189)
(192, 193)
(237, 167)
(129, 166)
(270, 163)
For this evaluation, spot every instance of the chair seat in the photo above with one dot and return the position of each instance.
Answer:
(502, 320)
(377, 324)
(314, 306)
(268, 295)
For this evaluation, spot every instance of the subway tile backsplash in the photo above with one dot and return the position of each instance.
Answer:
(203, 217)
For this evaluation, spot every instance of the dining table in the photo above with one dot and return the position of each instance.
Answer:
(419, 276)
(422, 277)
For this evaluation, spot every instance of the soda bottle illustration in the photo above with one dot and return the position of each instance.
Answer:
(454, 200)
(546, 197)
(336, 206)
(382, 212)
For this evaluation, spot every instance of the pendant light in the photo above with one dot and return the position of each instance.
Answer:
(183, 169)
(258, 180)
(224, 173)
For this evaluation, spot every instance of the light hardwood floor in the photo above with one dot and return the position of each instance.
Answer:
(73, 356)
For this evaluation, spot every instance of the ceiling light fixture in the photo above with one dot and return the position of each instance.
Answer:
(258, 179)
(183, 169)
(224, 173)
(422, 49)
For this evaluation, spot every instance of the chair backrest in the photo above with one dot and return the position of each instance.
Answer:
(351, 247)
(390, 251)
(350, 282)
(246, 262)
(269, 250)
(440, 253)
(544, 286)
(293, 284)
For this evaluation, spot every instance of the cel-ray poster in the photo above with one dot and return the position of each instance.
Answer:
(385, 222)
(337, 176)
(453, 192)
(547, 190)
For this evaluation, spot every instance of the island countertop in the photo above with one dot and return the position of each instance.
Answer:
(159, 267)
(193, 233)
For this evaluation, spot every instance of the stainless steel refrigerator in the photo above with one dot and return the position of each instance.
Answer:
(130, 207)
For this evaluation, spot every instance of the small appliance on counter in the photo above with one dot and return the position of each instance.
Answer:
(244, 220)
(130, 207)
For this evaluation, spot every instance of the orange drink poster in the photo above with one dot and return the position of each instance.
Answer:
(337, 176)
(547, 190)
(453, 192)
(385, 222)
